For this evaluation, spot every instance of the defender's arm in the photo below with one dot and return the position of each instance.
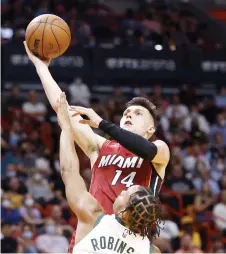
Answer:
(82, 203)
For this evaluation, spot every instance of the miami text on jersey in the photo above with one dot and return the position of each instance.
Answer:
(120, 161)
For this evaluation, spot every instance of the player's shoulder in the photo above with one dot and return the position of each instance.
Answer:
(162, 146)
(160, 143)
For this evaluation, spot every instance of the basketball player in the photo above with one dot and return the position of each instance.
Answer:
(136, 209)
(130, 159)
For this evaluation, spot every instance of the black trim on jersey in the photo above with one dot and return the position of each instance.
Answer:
(156, 182)
(131, 141)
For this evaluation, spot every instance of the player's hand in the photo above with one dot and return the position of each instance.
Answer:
(35, 60)
(62, 113)
(94, 118)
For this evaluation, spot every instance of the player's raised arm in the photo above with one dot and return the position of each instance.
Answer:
(83, 204)
(88, 141)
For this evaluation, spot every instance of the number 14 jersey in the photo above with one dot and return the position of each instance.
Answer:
(115, 170)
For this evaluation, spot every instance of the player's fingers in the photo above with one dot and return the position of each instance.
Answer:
(81, 110)
(26, 48)
(76, 114)
(83, 121)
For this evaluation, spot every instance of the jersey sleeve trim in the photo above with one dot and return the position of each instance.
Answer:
(99, 218)
(156, 182)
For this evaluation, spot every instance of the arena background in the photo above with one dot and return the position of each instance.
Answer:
(172, 52)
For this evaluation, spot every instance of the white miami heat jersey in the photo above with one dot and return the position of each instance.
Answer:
(109, 237)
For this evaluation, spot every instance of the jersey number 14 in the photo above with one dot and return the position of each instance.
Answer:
(128, 180)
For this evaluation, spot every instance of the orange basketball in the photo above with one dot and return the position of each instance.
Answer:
(48, 36)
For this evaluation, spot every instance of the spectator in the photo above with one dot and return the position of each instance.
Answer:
(220, 129)
(205, 177)
(188, 228)
(180, 184)
(33, 107)
(42, 163)
(14, 185)
(8, 243)
(186, 245)
(9, 214)
(204, 202)
(51, 241)
(56, 215)
(39, 188)
(26, 241)
(14, 100)
(58, 199)
(196, 117)
(79, 93)
(30, 214)
(177, 112)
(16, 134)
(219, 212)
(211, 111)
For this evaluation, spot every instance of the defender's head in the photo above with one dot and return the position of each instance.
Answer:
(139, 209)
(139, 117)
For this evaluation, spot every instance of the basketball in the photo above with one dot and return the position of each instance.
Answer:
(48, 36)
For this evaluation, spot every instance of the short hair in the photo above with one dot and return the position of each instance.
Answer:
(144, 213)
(144, 102)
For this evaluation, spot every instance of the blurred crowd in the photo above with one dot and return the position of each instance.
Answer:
(94, 23)
(35, 216)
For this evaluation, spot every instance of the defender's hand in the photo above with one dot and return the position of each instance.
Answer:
(35, 60)
(62, 113)
(94, 118)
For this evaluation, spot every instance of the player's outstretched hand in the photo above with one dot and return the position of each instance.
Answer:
(94, 118)
(35, 60)
(62, 112)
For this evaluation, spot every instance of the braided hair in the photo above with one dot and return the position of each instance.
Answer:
(144, 213)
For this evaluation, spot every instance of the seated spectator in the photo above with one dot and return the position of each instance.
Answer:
(219, 212)
(218, 128)
(201, 121)
(33, 107)
(15, 99)
(180, 184)
(9, 214)
(16, 134)
(39, 187)
(14, 185)
(51, 241)
(8, 243)
(56, 215)
(79, 93)
(58, 199)
(205, 177)
(211, 111)
(26, 240)
(177, 111)
(43, 162)
(204, 202)
(188, 228)
(10, 171)
(186, 245)
(30, 214)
